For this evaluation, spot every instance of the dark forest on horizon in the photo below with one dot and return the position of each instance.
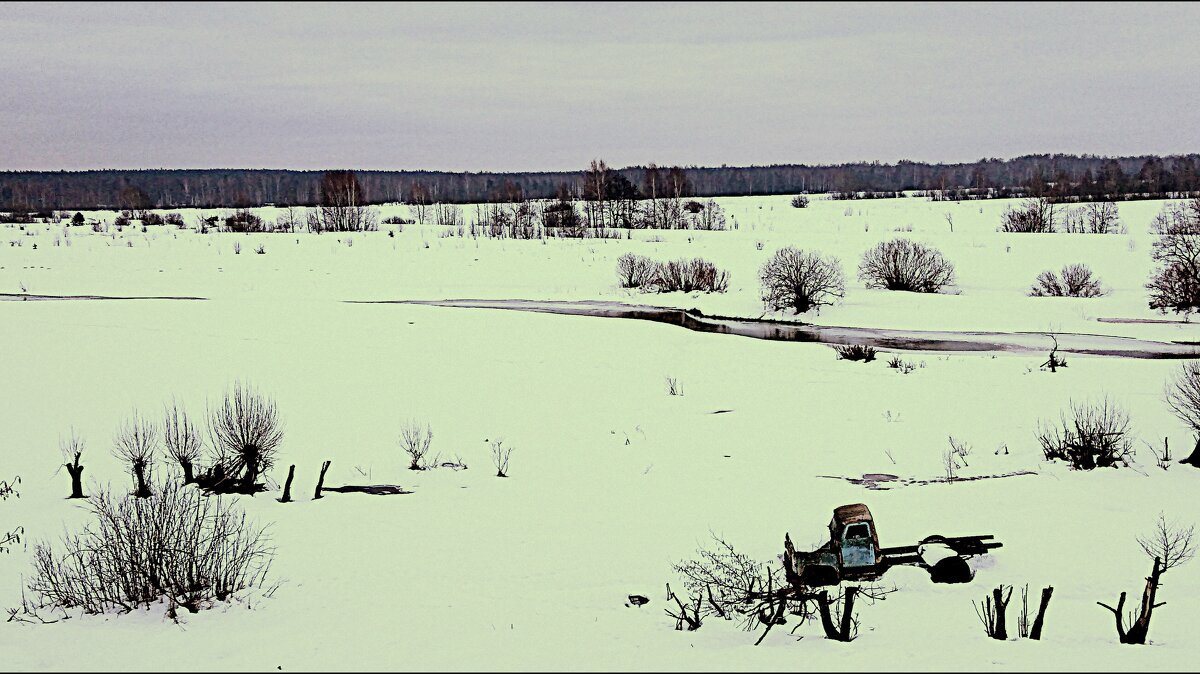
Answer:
(1058, 177)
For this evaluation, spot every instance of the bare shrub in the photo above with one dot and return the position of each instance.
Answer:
(134, 443)
(1035, 215)
(728, 584)
(1092, 435)
(692, 275)
(1076, 281)
(801, 280)
(181, 439)
(246, 434)
(636, 271)
(500, 457)
(178, 545)
(243, 220)
(901, 264)
(673, 387)
(415, 440)
(1175, 283)
(1182, 394)
(800, 201)
(855, 352)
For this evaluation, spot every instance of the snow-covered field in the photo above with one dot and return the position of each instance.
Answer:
(612, 479)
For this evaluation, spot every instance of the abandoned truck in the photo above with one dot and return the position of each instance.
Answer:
(853, 553)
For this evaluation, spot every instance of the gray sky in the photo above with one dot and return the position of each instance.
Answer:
(550, 86)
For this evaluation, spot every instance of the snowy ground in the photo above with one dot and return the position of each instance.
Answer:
(612, 479)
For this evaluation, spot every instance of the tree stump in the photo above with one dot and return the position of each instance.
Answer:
(287, 486)
(321, 480)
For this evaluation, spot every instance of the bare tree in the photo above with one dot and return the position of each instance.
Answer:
(1169, 547)
(72, 450)
(343, 205)
(1175, 284)
(246, 434)
(134, 443)
(418, 202)
(415, 441)
(801, 280)
(1169, 543)
(1182, 394)
(1101, 217)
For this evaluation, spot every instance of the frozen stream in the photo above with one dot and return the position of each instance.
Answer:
(882, 338)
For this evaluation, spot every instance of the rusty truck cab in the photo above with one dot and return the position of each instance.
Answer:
(854, 539)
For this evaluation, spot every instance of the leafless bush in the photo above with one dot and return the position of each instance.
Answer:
(72, 452)
(904, 366)
(690, 275)
(730, 584)
(1093, 435)
(1032, 216)
(801, 280)
(415, 440)
(1175, 283)
(1182, 394)
(855, 352)
(800, 201)
(135, 443)
(1076, 281)
(500, 457)
(901, 264)
(181, 439)
(673, 387)
(636, 271)
(177, 545)
(246, 433)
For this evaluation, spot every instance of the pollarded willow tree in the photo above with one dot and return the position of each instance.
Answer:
(135, 443)
(181, 439)
(246, 434)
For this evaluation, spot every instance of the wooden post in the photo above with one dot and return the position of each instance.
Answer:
(287, 486)
(1036, 634)
(321, 480)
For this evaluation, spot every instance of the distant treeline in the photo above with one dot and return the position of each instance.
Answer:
(1064, 177)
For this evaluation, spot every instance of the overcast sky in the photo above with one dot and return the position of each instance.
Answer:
(550, 86)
